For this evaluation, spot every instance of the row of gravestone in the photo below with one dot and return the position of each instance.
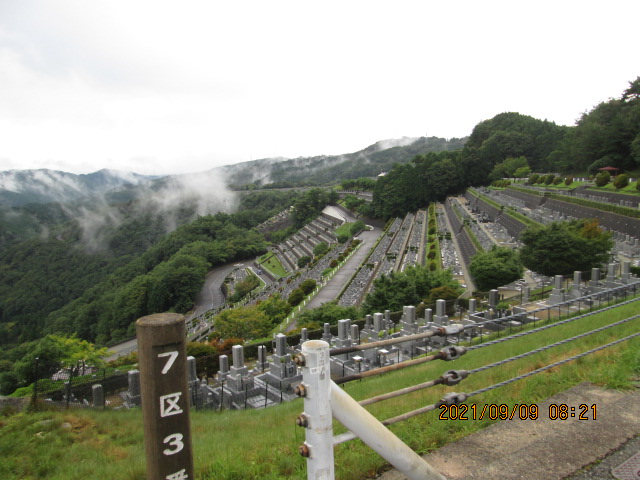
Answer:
(271, 380)
(361, 281)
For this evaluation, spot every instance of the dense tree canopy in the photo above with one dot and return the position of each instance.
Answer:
(410, 287)
(55, 283)
(309, 205)
(606, 136)
(246, 323)
(562, 248)
(329, 312)
(495, 267)
(410, 186)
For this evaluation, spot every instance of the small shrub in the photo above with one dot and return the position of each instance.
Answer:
(568, 181)
(602, 179)
(342, 237)
(320, 249)
(621, 181)
(308, 285)
(304, 261)
(548, 180)
(557, 180)
(296, 297)
(333, 263)
(533, 178)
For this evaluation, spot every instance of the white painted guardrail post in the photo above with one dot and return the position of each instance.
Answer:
(316, 418)
(323, 400)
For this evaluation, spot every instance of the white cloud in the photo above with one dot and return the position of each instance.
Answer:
(160, 87)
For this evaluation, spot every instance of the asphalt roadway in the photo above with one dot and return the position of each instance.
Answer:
(548, 449)
(334, 286)
(209, 297)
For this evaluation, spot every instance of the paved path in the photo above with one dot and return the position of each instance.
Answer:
(543, 448)
(334, 286)
(209, 297)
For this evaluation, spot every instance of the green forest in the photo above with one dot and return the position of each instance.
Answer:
(52, 283)
(608, 135)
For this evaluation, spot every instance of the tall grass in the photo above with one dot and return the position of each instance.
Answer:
(263, 443)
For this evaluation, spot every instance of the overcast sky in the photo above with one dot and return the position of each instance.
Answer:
(164, 87)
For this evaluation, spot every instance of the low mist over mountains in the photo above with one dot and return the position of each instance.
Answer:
(324, 169)
(19, 187)
(97, 209)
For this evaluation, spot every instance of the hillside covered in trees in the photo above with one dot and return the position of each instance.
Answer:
(63, 271)
(608, 135)
(326, 169)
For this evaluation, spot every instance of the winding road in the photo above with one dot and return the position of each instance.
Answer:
(209, 297)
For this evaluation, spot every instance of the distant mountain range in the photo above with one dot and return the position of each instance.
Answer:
(22, 187)
(328, 169)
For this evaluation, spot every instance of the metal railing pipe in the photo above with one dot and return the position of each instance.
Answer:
(346, 410)
(448, 353)
(453, 329)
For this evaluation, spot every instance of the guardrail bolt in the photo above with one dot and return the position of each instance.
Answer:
(300, 390)
(302, 420)
(304, 450)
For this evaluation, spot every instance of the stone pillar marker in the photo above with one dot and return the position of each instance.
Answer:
(577, 282)
(97, 394)
(165, 396)
(133, 380)
(367, 322)
(224, 368)
(428, 315)
(237, 353)
(441, 317)
(326, 335)
(355, 335)
(281, 345)
(493, 298)
(378, 322)
(262, 357)
(472, 306)
(626, 270)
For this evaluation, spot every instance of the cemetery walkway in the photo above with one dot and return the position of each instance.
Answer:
(550, 449)
(335, 285)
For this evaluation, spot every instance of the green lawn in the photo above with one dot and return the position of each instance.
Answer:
(345, 229)
(271, 263)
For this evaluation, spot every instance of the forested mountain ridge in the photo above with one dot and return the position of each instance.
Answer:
(325, 169)
(608, 135)
(20, 187)
(53, 284)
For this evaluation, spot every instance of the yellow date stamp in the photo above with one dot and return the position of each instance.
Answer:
(531, 411)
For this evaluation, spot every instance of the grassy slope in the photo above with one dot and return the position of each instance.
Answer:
(263, 444)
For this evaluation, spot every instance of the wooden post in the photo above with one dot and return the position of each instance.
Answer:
(165, 396)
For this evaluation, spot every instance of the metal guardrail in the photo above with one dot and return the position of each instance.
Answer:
(325, 400)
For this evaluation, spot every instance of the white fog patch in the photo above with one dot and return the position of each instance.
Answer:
(205, 193)
(395, 142)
